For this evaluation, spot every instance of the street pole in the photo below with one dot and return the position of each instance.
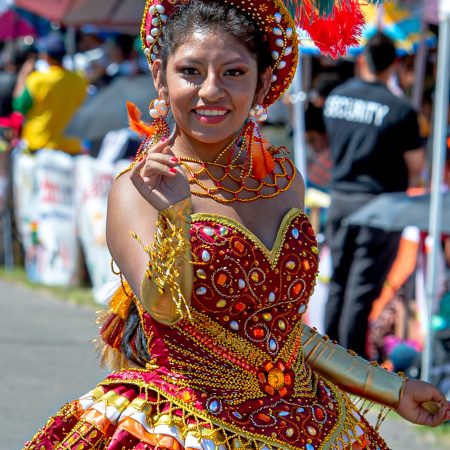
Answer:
(439, 151)
(298, 98)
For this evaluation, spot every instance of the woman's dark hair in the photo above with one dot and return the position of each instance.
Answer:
(212, 15)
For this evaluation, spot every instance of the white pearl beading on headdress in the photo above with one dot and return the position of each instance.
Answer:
(158, 19)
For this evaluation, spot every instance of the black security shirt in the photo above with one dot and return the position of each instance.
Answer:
(369, 129)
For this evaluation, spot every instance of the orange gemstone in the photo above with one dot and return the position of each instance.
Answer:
(269, 390)
(287, 380)
(221, 279)
(264, 417)
(268, 366)
(297, 288)
(319, 413)
(306, 264)
(261, 377)
(239, 246)
(283, 392)
(239, 306)
(258, 333)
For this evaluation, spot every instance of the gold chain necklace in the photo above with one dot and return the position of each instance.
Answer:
(246, 187)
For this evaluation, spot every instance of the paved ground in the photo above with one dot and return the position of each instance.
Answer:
(47, 359)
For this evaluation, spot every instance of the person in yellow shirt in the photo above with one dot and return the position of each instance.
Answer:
(48, 100)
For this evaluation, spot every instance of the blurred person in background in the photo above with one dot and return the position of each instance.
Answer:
(13, 61)
(49, 99)
(376, 148)
(323, 85)
(319, 155)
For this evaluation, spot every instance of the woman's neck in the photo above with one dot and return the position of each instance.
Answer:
(184, 146)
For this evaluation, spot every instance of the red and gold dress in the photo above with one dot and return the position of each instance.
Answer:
(234, 374)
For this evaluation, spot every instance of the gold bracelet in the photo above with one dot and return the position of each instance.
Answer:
(350, 372)
(167, 285)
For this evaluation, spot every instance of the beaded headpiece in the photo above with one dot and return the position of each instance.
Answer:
(333, 25)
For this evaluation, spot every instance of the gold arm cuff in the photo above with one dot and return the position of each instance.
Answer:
(166, 288)
(350, 372)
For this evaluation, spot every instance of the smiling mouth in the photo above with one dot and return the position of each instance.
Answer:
(210, 112)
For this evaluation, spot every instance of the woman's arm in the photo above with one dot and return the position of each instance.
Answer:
(350, 372)
(148, 234)
(414, 400)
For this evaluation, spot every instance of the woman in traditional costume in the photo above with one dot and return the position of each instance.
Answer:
(218, 260)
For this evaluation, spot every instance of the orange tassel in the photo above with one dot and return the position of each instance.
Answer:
(136, 124)
(262, 161)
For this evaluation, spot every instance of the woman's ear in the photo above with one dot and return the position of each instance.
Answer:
(159, 80)
(265, 79)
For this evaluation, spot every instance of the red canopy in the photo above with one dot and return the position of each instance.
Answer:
(118, 14)
(13, 26)
(50, 9)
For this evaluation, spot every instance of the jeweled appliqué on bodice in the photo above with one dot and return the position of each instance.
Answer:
(254, 292)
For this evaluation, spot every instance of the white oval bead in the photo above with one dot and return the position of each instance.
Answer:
(153, 113)
(275, 54)
(281, 64)
(155, 32)
(147, 52)
(287, 51)
(289, 32)
(278, 17)
(150, 39)
(279, 42)
(163, 18)
(160, 8)
(152, 10)
(277, 31)
(155, 50)
(274, 78)
(155, 21)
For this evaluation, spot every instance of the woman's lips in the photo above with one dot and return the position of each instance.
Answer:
(210, 115)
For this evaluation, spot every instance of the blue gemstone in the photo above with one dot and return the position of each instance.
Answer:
(272, 345)
(237, 415)
(283, 413)
(300, 410)
(309, 447)
(213, 406)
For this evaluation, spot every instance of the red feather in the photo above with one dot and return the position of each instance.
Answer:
(333, 34)
(136, 124)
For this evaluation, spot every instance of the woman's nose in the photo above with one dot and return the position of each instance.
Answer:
(211, 88)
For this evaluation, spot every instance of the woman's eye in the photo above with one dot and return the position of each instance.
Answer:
(234, 72)
(189, 71)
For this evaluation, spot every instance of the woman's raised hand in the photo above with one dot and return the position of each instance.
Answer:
(423, 404)
(159, 178)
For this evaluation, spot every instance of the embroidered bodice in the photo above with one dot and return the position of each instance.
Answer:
(238, 360)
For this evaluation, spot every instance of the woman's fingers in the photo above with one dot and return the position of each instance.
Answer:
(159, 147)
(155, 168)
